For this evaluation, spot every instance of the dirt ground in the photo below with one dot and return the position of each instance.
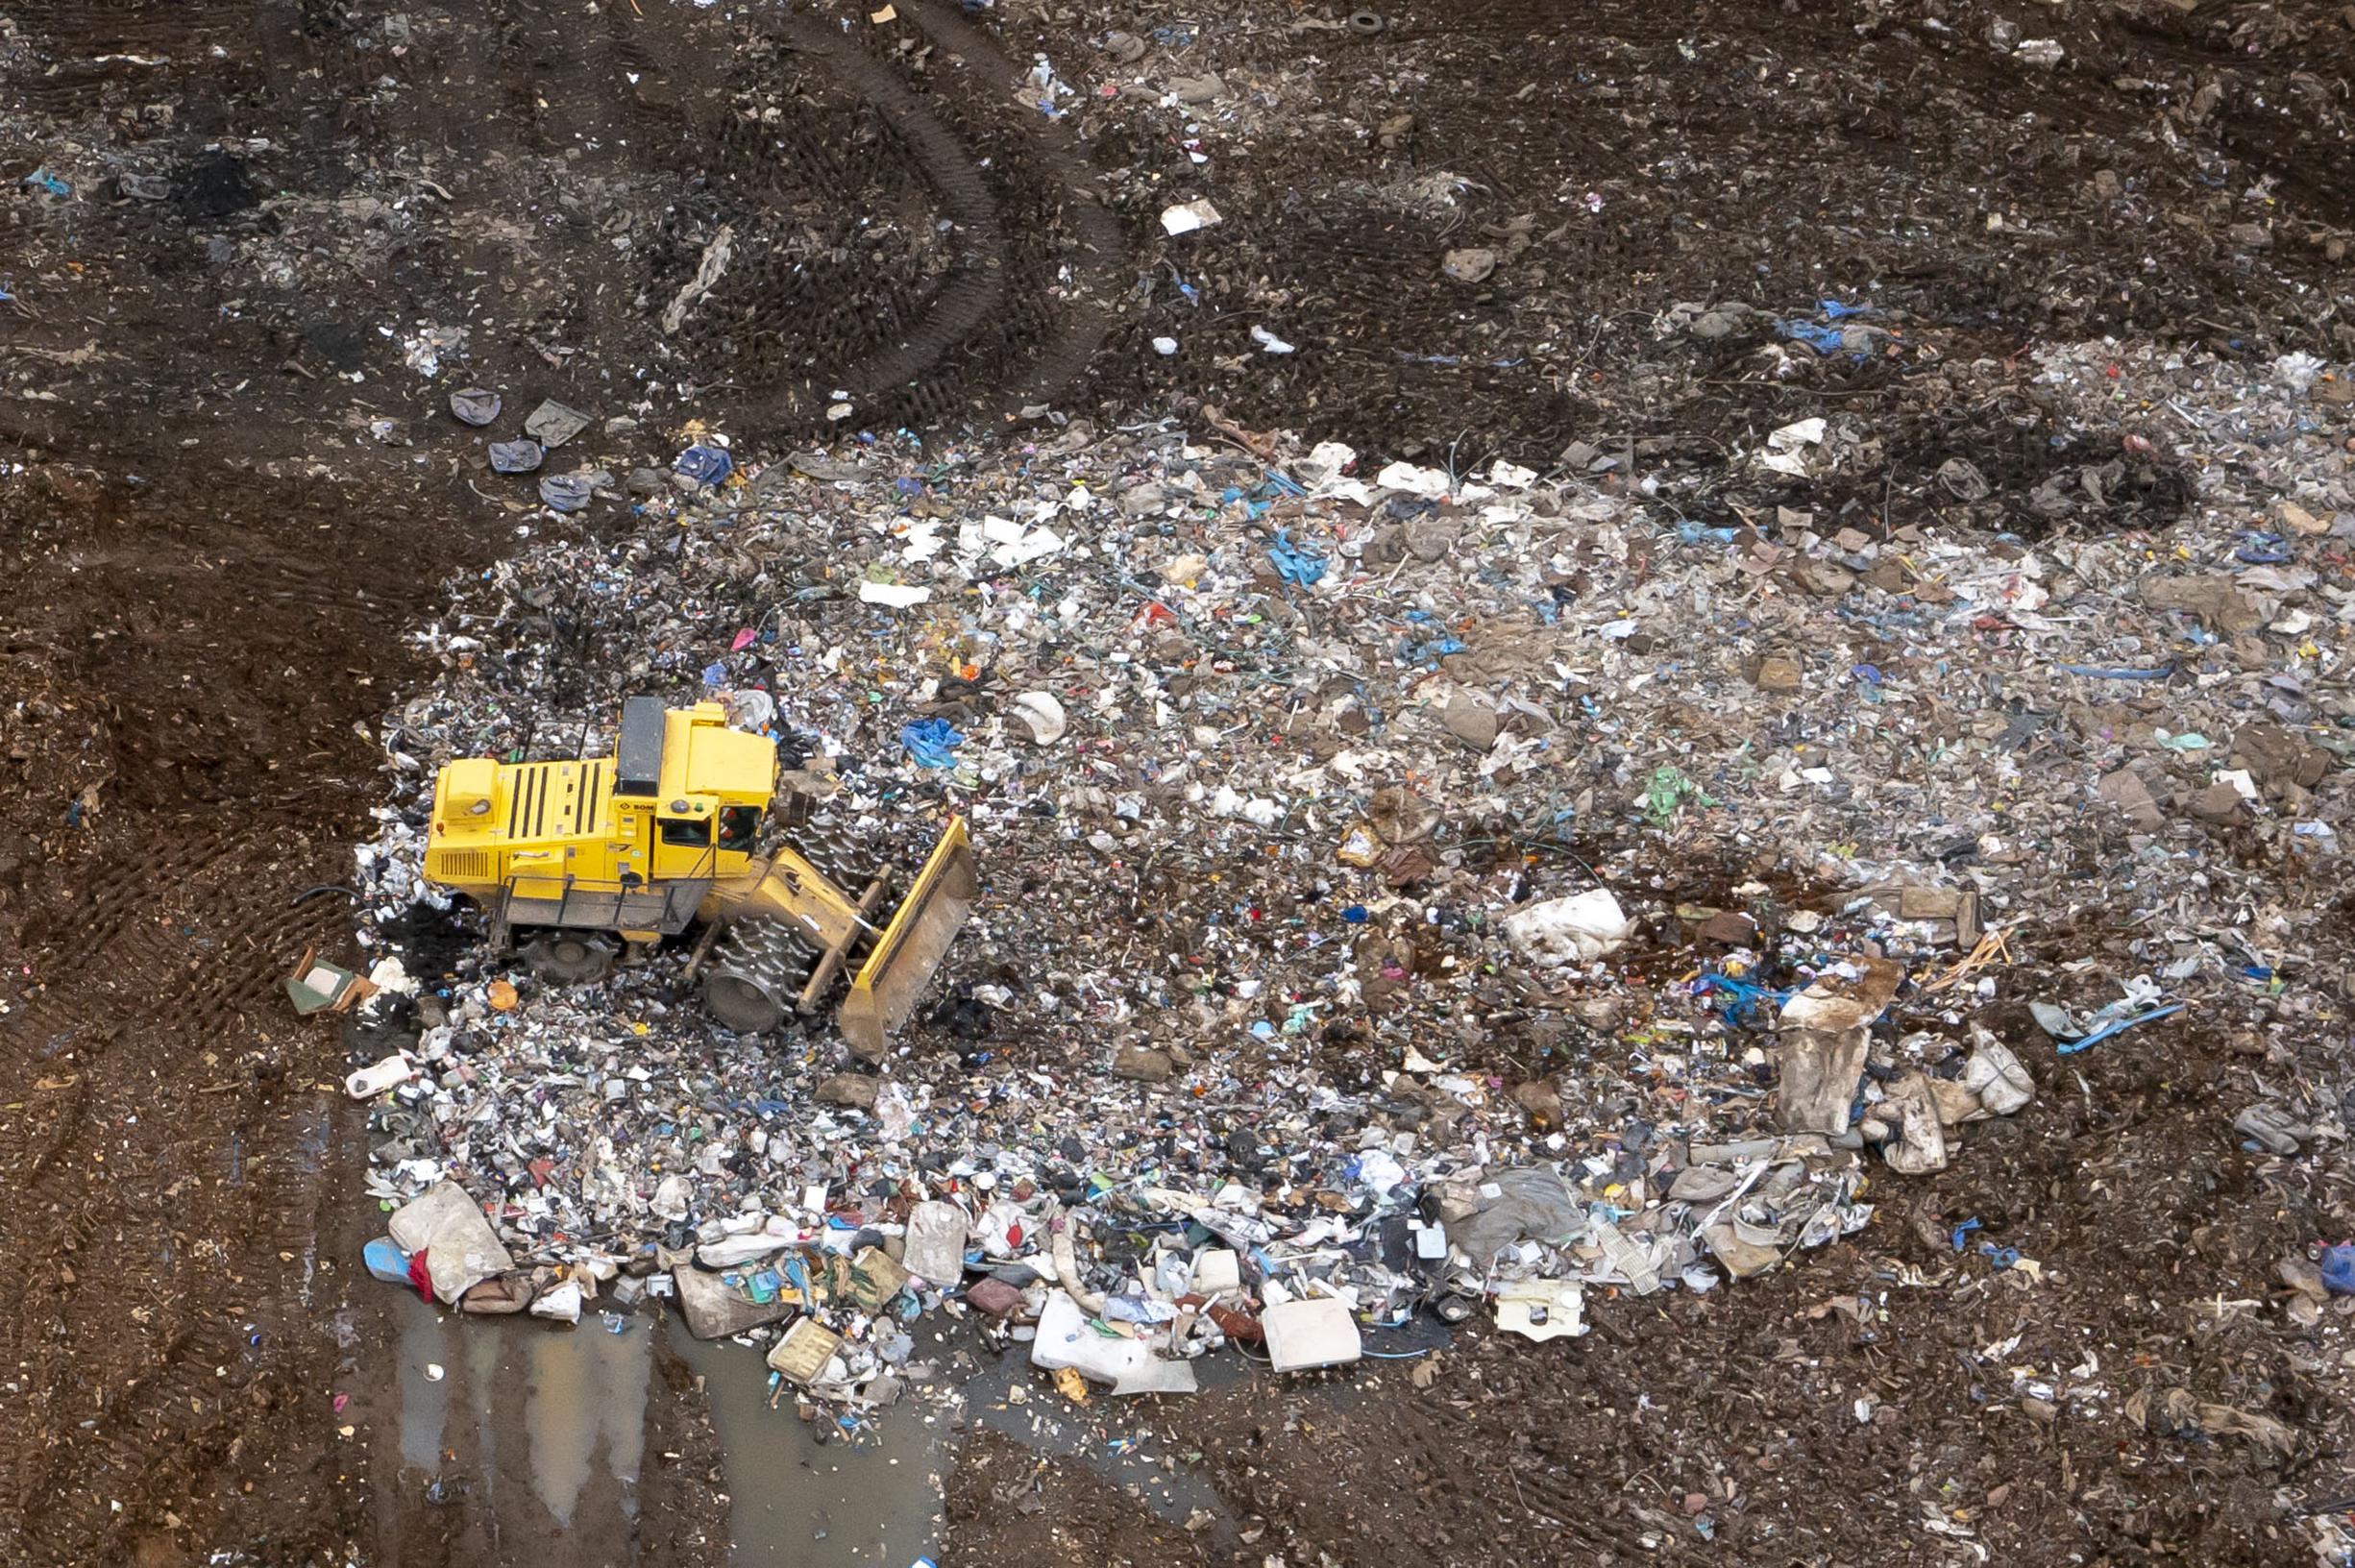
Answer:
(225, 497)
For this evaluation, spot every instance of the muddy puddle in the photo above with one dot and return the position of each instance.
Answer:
(795, 1500)
(525, 1422)
(538, 1423)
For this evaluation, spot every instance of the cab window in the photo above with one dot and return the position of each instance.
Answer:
(739, 827)
(686, 832)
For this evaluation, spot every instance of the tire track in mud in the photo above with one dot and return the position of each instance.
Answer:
(977, 290)
(178, 987)
(991, 332)
(160, 1112)
(1074, 342)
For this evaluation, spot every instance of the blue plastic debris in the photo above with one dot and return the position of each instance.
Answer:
(932, 741)
(49, 185)
(2001, 1256)
(2118, 1026)
(1429, 651)
(704, 465)
(2337, 1266)
(1747, 995)
(386, 1261)
(1297, 564)
(2263, 548)
(1823, 340)
(1962, 1233)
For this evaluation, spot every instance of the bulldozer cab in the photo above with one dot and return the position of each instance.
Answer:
(711, 787)
(630, 844)
(706, 836)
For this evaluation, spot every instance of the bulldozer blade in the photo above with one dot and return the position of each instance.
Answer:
(884, 991)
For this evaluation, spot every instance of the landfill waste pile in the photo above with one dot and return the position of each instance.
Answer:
(1332, 967)
(1774, 966)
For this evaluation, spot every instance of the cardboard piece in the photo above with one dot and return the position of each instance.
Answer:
(1318, 1332)
(715, 1310)
(1068, 1340)
(935, 1252)
(802, 1355)
(1542, 1309)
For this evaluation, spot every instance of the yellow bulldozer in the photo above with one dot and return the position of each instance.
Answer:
(571, 859)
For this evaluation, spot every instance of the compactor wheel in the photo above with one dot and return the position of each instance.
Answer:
(756, 975)
(835, 849)
(569, 958)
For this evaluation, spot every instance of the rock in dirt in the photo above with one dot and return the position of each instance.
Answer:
(1142, 1064)
(2126, 790)
(854, 1089)
(2274, 757)
(1474, 264)
(2216, 601)
(1470, 720)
